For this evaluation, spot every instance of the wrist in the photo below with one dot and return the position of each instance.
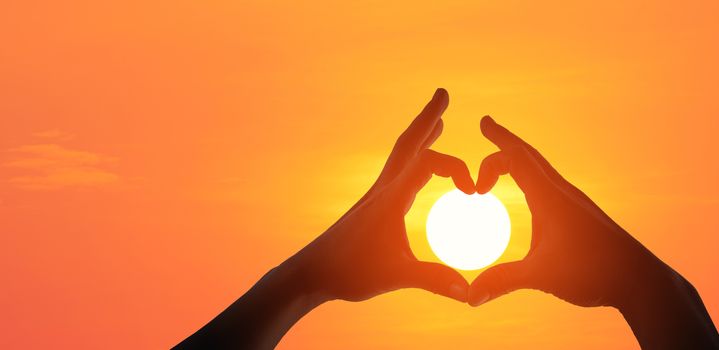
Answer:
(651, 286)
(666, 312)
(649, 281)
(299, 277)
(260, 317)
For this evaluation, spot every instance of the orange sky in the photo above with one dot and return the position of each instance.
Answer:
(157, 159)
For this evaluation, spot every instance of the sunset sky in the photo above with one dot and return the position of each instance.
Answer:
(157, 158)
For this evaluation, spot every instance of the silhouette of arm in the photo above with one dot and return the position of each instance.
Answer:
(364, 254)
(668, 313)
(581, 255)
(259, 318)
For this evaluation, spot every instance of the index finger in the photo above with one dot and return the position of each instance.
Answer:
(447, 166)
(421, 127)
(517, 163)
(428, 163)
(505, 139)
(420, 134)
(515, 157)
(499, 135)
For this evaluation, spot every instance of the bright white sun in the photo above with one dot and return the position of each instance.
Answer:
(468, 232)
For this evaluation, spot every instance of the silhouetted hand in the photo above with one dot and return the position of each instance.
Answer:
(581, 255)
(365, 253)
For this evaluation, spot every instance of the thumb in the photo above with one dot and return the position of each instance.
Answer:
(497, 281)
(438, 279)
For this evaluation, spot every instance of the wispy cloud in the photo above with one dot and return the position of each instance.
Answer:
(54, 134)
(49, 166)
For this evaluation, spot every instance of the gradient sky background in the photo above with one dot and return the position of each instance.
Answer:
(156, 159)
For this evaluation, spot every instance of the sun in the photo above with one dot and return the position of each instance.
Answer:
(468, 232)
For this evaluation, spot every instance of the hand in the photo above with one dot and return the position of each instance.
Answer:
(581, 255)
(366, 252)
(577, 252)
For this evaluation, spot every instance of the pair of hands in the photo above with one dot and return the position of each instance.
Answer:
(577, 253)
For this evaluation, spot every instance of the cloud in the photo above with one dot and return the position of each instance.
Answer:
(54, 134)
(52, 166)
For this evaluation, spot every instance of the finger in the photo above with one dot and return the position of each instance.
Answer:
(444, 165)
(559, 181)
(404, 188)
(422, 129)
(436, 278)
(505, 139)
(520, 165)
(498, 134)
(434, 135)
(499, 280)
(422, 126)
(514, 158)
(492, 167)
(430, 162)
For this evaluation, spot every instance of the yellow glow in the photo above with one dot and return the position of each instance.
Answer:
(468, 232)
(300, 104)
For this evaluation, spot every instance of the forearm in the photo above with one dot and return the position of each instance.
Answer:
(669, 314)
(259, 318)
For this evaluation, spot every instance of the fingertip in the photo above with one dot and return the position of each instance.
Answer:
(483, 189)
(477, 296)
(485, 182)
(482, 186)
(459, 291)
(464, 181)
(442, 98)
(440, 93)
(466, 186)
(469, 190)
(492, 167)
(494, 132)
(486, 123)
(491, 130)
(499, 280)
(437, 105)
(439, 279)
